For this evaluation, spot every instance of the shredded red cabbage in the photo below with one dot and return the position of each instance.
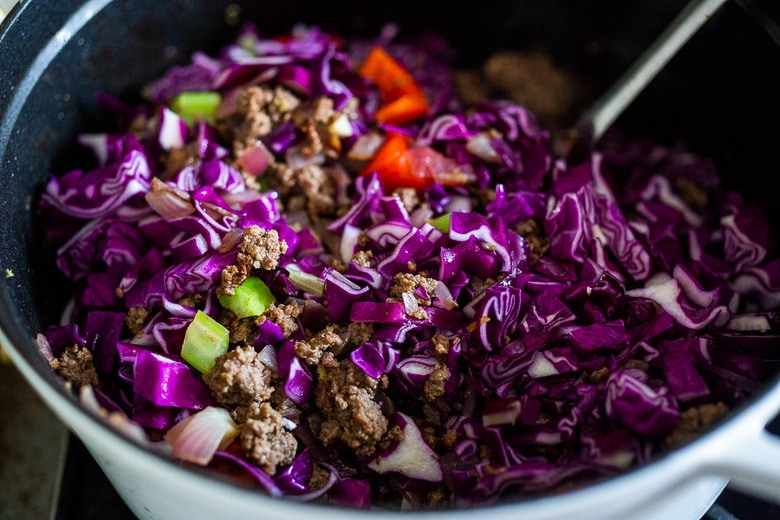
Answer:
(507, 332)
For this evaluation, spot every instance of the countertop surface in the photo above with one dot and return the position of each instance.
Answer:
(33, 449)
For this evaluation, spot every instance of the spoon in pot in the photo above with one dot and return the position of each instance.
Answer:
(592, 124)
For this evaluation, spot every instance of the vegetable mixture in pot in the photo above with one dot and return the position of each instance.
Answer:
(306, 263)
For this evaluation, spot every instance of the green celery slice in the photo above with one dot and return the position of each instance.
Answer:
(193, 105)
(442, 222)
(204, 341)
(252, 298)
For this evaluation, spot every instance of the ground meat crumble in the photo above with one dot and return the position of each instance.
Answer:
(258, 109)
(326, 340)
(266, 441)
(534, 235)
(441, 346)
(314, 119)
(259, 249)
(283, 315)
(405, 289)
(363, 258)
(434, 385)
(75, 364)
(241, 330)
(345, 395)
(135, 319)
(358, 333)
(409, 283)
(240, 377)
(179, 158)
(693, 421)
(409, 198)
(309, 187)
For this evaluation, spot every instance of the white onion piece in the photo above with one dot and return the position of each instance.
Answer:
(230, 240)
(443, 294)
(420, 216)
(365, 147)
(44, 348)
(341, 127)
(169, 202)
(459, 203)
(410, 303)
(480, 146)
(297, 158)
(349, 242)
(196, 438)
(411, 457)
(268, 357)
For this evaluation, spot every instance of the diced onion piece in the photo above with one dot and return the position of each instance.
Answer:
(444, 297)
(366, 146)
(196, 438)
(411, 456)
(268, 357)
(255, 159)
(480, 146)
(341, 126)
(204, 341)
(168, 202)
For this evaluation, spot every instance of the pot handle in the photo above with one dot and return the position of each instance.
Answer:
(751, 458)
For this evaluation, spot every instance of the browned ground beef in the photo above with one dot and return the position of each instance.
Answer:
(345, 395)
(266, 441)
(285, 316)
(259, 249)
(75, 364)
(240, 377)
(326, 340)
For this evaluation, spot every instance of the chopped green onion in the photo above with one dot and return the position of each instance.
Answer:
(204, 341)
(193, 105)
(252, 298)
(442, 222)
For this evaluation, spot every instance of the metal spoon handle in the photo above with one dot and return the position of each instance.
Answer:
(600, 116)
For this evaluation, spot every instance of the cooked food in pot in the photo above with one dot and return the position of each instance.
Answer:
(306, 263)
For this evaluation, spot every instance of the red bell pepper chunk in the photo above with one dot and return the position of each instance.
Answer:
(403, 100)
(389, 76)
(391, 163)
(403, 110)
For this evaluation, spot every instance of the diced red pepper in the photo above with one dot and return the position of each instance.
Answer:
(389, 76)
(392, 164)
(403, 100)
(403, 110)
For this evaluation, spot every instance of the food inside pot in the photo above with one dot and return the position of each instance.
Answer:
(306, 262)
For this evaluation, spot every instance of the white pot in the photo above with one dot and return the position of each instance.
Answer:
(681, 484)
